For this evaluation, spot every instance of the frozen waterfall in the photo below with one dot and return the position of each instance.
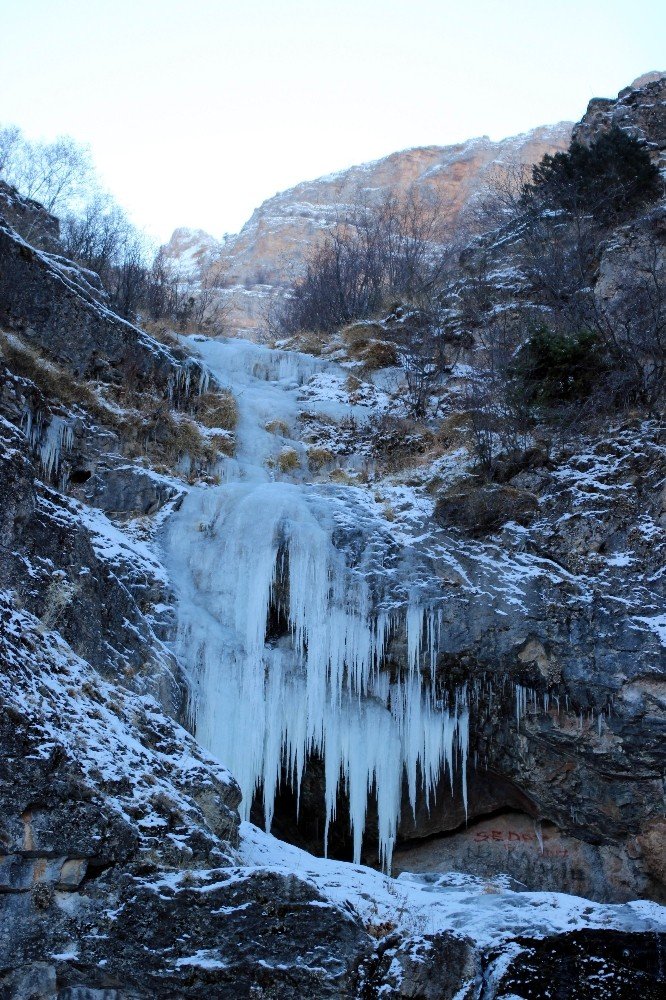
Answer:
(288, 595)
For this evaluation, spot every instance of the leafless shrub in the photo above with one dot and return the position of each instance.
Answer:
(375, 253)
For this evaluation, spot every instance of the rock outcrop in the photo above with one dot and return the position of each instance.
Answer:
(57, 307)
(30, 219)
(637, 110)
(271, 248)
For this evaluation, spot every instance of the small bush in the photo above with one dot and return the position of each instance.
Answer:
(288, 460)
(318, 458)
(277, 427)
(551, 368)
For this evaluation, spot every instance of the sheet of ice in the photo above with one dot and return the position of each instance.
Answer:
(322, 561)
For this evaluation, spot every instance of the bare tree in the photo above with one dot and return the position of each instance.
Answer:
(376, 253)
(10, 140)
(97, 234)
(58, 174)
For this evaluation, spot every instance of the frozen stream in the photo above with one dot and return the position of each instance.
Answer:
(267, 545)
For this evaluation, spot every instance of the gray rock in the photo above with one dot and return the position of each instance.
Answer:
(30, 219)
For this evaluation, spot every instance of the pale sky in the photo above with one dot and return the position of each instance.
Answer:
(197, 111)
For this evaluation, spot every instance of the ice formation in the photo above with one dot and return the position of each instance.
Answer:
(49, 444)
(288, 595)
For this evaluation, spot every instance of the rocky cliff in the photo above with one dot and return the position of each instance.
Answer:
(271, 248)
(125, 872)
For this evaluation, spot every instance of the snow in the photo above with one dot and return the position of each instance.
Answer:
(656, 624)
(201, 960)
(488, 912)
(111, 733)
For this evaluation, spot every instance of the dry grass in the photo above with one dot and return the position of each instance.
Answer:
(50, 378)
(376, 354)
(399, 443)
(340, 476)
(217, 409)
(482, 508)
(366, 342)
(318, 458)
(277, 427)
(307, 342)
(171, 437)
(455, 429)
(224, 444)
(352, 384)
(288, 460)
(359, 333)
(160, 331)
(146, 425)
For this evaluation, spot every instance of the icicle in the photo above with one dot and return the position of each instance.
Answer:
(538, 833)
(414, 636)
(522, 694)
(277, 550)
(204, 380)
(59, 437)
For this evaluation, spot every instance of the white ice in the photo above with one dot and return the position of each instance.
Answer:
(239, 550)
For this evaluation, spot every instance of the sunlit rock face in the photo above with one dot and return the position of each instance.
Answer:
(191, 250)
(271, 248)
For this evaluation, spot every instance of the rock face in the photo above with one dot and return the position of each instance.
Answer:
(118, 833)
(270, 250)
(47, 298)
(124, 873)
(554, 612)
(555, 625)
(637, 110)
(116, 837)
(30, 219)
(192, 251)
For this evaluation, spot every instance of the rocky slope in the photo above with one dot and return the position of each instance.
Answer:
(106, 801)
(124, 870)
(269, 252)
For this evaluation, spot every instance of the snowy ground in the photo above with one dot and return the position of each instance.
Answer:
(488, 912)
